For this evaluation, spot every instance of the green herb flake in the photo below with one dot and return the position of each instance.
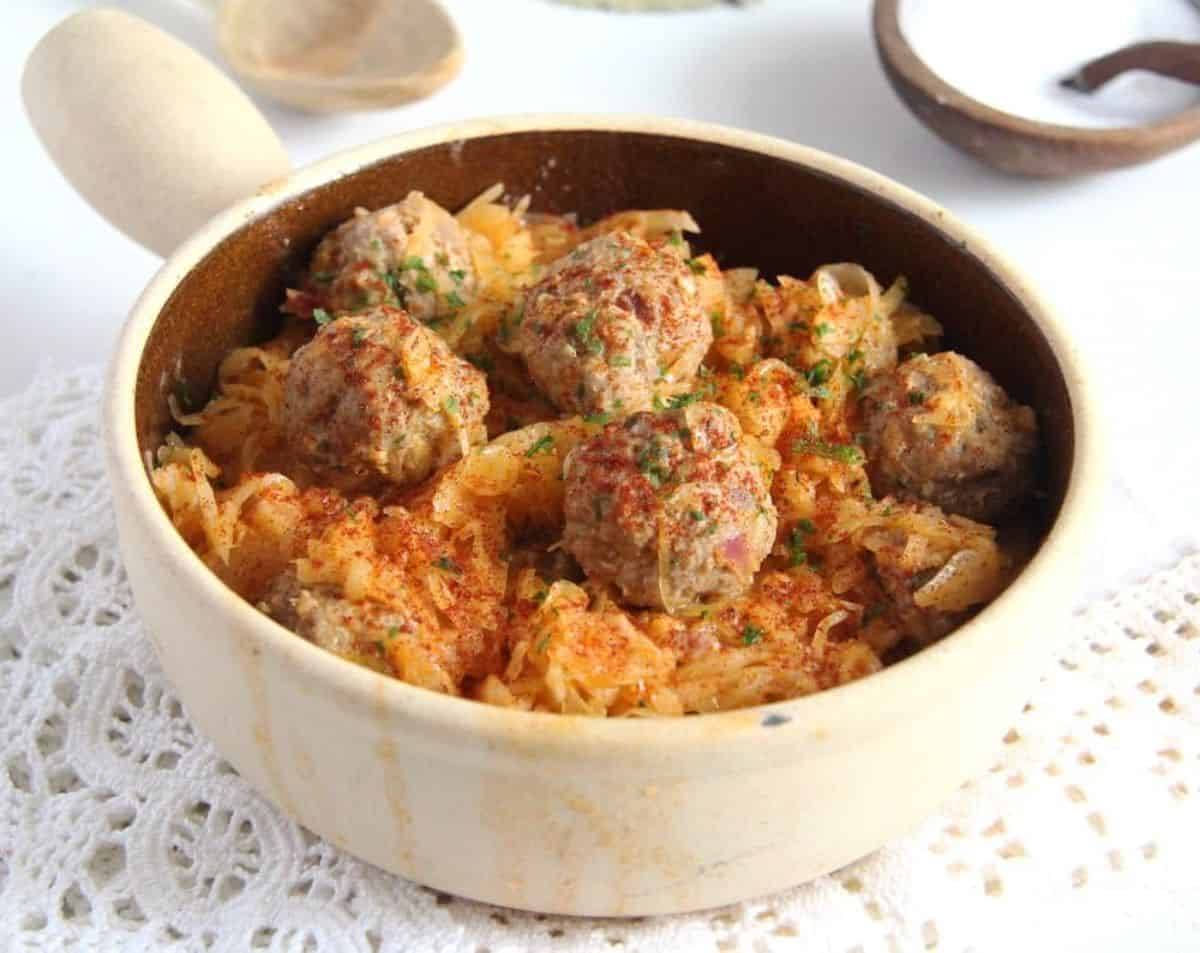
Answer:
(446, 564)
(621, 360)
(718, 325)
(541, 646)
(916, 397)
(697, 266)
(442, 259)
(584, 332)
(600, 418)
(648, 463)
(484, 362)
(822, 329)
(858, 380)
(842, 452)
(358, 336)
(697, 516)
(457, 275)
(425, 284)
(540, 596)
(797, 540)
(543, 444)
(413, 263)
(854, 356)
(454, 299)
(679, 401)
(321, 316)
(675, 238)
(751, 634)
(323, 277)
(451, 405)
(819, 373)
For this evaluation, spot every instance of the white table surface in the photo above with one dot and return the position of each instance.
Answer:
(1117, 254)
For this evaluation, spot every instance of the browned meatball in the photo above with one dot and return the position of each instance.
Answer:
(408, 638)
(608, 321)
(379, 395)
(413, 253)
(938, 427)
(671, 508)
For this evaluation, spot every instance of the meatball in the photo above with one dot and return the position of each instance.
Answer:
(607, 321)
(938, 427)
(671, 508)
(379, 395)
(407, 638)
(413, 253)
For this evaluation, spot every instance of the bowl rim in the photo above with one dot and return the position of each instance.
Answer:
(452, 717)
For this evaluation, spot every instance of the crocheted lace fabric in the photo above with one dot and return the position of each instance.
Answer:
(120, 827)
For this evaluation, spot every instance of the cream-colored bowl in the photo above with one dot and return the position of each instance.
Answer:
(568, 814)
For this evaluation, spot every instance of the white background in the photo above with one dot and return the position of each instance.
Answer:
(1117, 254)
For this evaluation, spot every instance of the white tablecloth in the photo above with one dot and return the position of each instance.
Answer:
(1116, 254)
(120, 827)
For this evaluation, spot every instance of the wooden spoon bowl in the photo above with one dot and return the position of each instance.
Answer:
(332, 55)
(1011, 143)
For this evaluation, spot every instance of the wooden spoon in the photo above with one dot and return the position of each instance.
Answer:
(1012, 143)
(331, 55)
(148, 131)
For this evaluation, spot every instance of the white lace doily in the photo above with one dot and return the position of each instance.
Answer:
(121, 828)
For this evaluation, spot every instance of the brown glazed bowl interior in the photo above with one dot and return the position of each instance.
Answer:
(755, 210)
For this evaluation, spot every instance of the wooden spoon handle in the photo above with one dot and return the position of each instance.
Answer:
(1176, 60)
(154, 136)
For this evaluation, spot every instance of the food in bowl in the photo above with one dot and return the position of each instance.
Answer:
(586, 470)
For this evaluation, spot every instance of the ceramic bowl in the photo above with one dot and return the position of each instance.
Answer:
(569, 814)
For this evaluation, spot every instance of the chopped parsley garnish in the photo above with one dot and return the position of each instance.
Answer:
(718, 325)
(675, 239)
(540, 596)
(842, 452)
(819, 373)
(797, 555)
(858, 380)
(621, 360)
(648, 462)
(600, 418)
(543, 444)
(446, 564)
(916, 397)
(541, 646)
(457, 275)
(358, 336)
(751, 634)
(483, 361)
(854, 356)
(698, 267)
(451, 405)
(737, 371)
(441, 259)
(822, 329)
(393, 631)
(679, 401)
(697, 516)
(413, 263)
(323, 277)
(425, 284)
(376, 244)
(321, 316)
(584, 332)
(454, 299)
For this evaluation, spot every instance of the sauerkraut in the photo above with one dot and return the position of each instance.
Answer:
(459, 581)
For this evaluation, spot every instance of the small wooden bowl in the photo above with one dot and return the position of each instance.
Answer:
(1011, 143)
